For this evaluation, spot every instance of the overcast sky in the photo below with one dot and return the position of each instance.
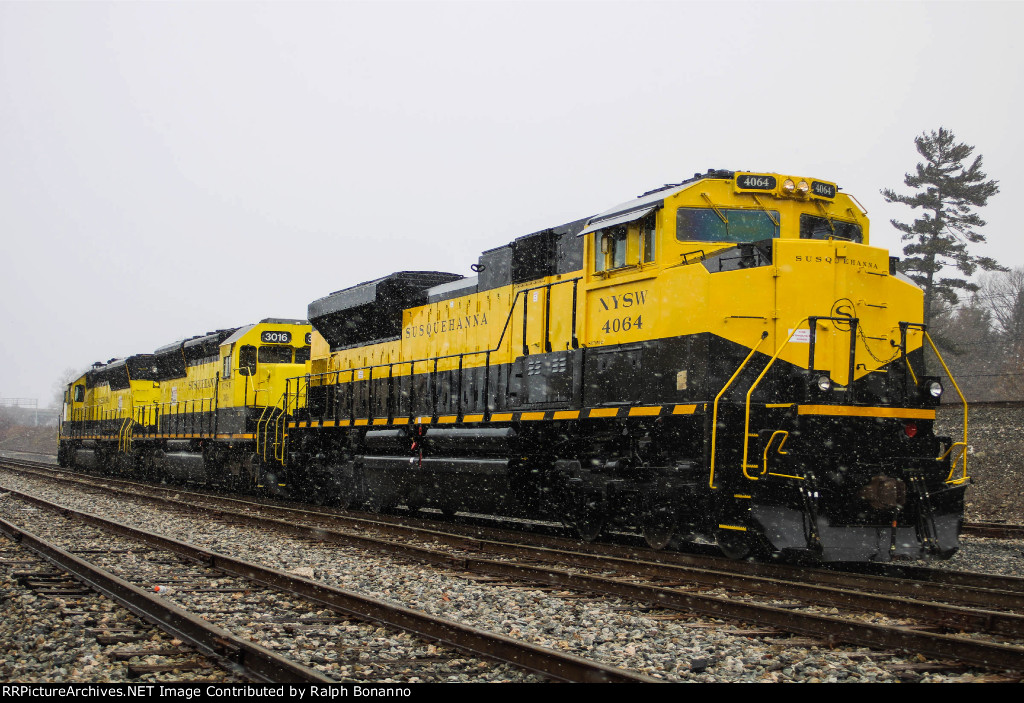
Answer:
(172, 168)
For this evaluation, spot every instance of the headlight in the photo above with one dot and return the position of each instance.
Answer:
(935, 389)
(802, 187)
(788, 186)
(824, 383)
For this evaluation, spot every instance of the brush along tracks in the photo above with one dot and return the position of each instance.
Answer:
(695, 585)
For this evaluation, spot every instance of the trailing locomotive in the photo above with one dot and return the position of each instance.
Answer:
(726, 356)
(204, 410)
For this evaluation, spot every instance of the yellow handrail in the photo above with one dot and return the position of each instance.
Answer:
(124, 439)
(776, 433)
(261, 446)
(963, 445)
(746, 422)
(279, 427)
(714, 414)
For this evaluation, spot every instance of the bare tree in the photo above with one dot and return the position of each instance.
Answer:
(1002, 294)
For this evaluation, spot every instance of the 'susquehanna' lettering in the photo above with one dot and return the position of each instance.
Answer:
(835, 259)
(201, 384)
(455, 324)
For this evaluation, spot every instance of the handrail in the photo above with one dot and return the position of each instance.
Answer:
(714, 417)
(501, 339)
(963, 445)
(260, 446)
(768, 445)
(746, 422)
(124, 442)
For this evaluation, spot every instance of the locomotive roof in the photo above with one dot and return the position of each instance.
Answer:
(208, 339)
(245, 329)
(396, 285)
(648, 202)
(282, 321)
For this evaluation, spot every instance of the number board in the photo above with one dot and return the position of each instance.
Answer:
(276, 337)
(823, 190)
(309, 337)
(753, 181)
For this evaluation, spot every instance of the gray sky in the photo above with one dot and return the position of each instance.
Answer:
(171, 168)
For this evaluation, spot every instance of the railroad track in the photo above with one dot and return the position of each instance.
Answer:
(232, 653)
(997, 530)
(885, 577)
(59, 601)
(686, 583)
(190, 570)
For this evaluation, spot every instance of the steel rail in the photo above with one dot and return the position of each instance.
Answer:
(994, 529)
(233, 652)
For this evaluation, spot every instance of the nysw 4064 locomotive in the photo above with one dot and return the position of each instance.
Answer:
(727, 356)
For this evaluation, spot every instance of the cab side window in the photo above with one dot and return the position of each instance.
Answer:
(79, 393)
(626, 245)
(227, 367)
(247, 360)
(610, 252)
(647, 240)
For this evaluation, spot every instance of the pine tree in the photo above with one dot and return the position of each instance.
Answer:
(947, 192)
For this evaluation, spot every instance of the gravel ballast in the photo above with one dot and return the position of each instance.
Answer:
(674, 647)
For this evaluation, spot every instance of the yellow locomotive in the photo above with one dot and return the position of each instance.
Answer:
(726, 356)
(207, 409)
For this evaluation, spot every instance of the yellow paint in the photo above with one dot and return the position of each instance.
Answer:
(667, 294)
(858, 411)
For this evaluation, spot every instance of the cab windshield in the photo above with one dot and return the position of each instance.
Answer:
(275, 355)
(733, 225)
(813, 227)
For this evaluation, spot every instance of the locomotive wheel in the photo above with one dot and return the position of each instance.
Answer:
(346, 494)
(741, 545)
(378, 502)
(658, 527)
(588, 525)
(586, 517)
